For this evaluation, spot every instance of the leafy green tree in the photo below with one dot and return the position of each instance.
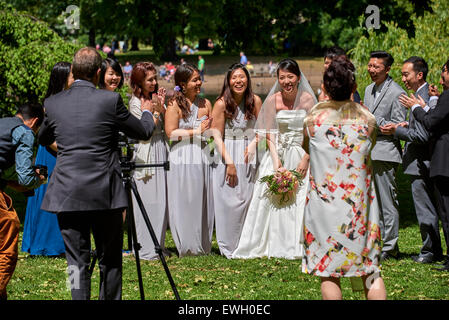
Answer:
(429, 40)
(28, 51)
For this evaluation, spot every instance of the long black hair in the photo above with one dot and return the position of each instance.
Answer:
(58, 78)
(228, 98)
(108, 62)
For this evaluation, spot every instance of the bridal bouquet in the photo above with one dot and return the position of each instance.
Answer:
(283, 183)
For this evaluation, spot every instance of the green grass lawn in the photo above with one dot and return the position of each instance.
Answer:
(217, 278)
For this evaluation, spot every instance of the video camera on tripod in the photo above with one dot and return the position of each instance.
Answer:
(126, 152)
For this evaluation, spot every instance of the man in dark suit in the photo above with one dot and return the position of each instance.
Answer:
(86, 189)
(436, 122)
(416, 162)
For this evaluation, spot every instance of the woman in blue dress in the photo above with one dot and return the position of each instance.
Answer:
(41, 234)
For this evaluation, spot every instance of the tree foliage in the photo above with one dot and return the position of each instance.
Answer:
(429, 40)
(28, 51)
(255, 26)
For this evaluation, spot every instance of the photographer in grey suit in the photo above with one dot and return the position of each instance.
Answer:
(416, 161)
(382, 100)
(86, 189)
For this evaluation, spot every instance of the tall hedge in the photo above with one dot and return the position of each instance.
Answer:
(28, 51)
(430, 41)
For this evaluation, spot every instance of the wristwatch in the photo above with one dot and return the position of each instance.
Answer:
(157, 115)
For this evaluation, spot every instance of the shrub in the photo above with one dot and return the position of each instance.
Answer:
(430, 41)
(28, 51)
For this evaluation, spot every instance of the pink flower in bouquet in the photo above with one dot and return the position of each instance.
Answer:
(283, 183)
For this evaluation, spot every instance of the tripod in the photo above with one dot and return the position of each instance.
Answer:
(130, 185)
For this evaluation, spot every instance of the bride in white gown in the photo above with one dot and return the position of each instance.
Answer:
(272, 229)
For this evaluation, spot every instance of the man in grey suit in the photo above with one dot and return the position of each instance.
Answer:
(435, 121)
(86, 190)
(382, 100)
(416, 162)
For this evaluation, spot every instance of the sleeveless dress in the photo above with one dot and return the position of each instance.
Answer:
(152, 187)
(341, 219)
(41, 233)
(231, 204)
(271, 229)
(189, 187)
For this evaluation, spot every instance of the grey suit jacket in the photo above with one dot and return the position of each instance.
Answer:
(387, 109)
(416, 159)
(85, 122)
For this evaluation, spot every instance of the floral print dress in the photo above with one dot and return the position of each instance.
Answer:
(341, 219)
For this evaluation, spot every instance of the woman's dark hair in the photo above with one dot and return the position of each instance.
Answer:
(138, 75)
(115, 65)
(339, 79)
(183, 74)
(228, 98)
(58, 78)
(290, 65)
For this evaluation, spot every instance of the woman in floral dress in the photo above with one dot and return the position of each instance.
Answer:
(341, 219)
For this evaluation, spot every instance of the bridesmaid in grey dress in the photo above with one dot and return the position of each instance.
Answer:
(234, 114)
(151, 182)
(188, 180)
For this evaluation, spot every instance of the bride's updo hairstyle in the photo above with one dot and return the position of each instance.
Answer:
(183, 74)
(339, 79)
(289, 65)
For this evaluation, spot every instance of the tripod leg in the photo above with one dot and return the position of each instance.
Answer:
(130, 207)
(136, 245)
(94, 261)
(157, 246)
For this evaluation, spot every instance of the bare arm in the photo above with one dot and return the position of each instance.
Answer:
(174, 133)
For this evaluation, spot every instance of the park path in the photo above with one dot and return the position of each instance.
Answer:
(312, 68)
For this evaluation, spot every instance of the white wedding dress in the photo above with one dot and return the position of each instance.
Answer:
(270, 229)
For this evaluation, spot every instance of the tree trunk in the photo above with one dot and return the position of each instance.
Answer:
(92, 37)
(134, 44)
(170, 50)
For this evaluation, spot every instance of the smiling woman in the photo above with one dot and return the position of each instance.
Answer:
(111, 75)
(234, 115)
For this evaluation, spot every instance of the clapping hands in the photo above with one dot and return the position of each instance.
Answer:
(409, 102)
(433, 90)
(390, 128)
(156, 103)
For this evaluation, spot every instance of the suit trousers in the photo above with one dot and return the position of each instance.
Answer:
(442, 188)
(424, 199)
(384, 173)
(107, 230)
(9, 236)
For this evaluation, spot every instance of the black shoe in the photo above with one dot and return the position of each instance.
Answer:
(424, 260)
(388, 256)
(444, 268)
